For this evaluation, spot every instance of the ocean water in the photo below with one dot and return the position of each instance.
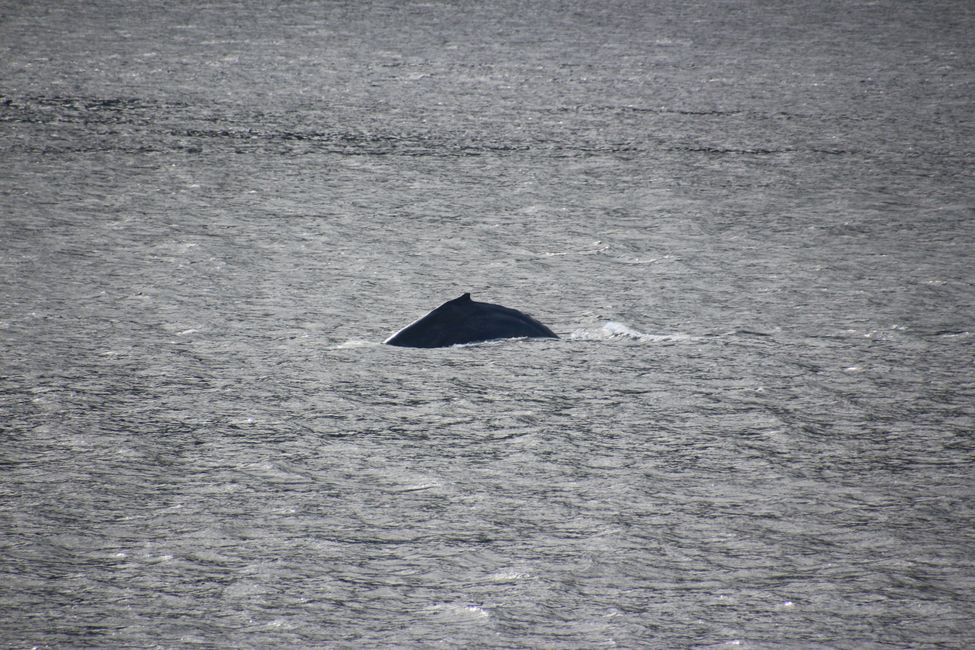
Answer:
(752, 225)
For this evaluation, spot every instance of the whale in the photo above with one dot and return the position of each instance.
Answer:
(463, 320)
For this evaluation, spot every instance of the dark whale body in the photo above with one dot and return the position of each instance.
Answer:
(462, 320)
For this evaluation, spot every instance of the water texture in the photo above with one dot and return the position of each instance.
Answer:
(750, 223)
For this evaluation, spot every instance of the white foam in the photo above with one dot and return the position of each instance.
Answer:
(355, 343)
(614, 330)
(456, 610)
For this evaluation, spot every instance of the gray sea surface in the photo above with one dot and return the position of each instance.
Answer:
(751, 223)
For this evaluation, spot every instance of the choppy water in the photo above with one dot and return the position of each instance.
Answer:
(751, 223)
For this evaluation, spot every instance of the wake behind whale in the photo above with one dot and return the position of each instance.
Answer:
(463, 320)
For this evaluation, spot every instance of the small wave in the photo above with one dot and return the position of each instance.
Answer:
(613, 330)
(598, 247)
(419, 487)
(953, 333)
(456, 610)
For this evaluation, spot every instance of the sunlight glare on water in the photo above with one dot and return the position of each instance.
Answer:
(751, 229)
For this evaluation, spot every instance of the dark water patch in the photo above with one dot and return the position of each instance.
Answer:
(87, 110)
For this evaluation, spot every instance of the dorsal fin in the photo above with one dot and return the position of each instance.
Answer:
(457, 302)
